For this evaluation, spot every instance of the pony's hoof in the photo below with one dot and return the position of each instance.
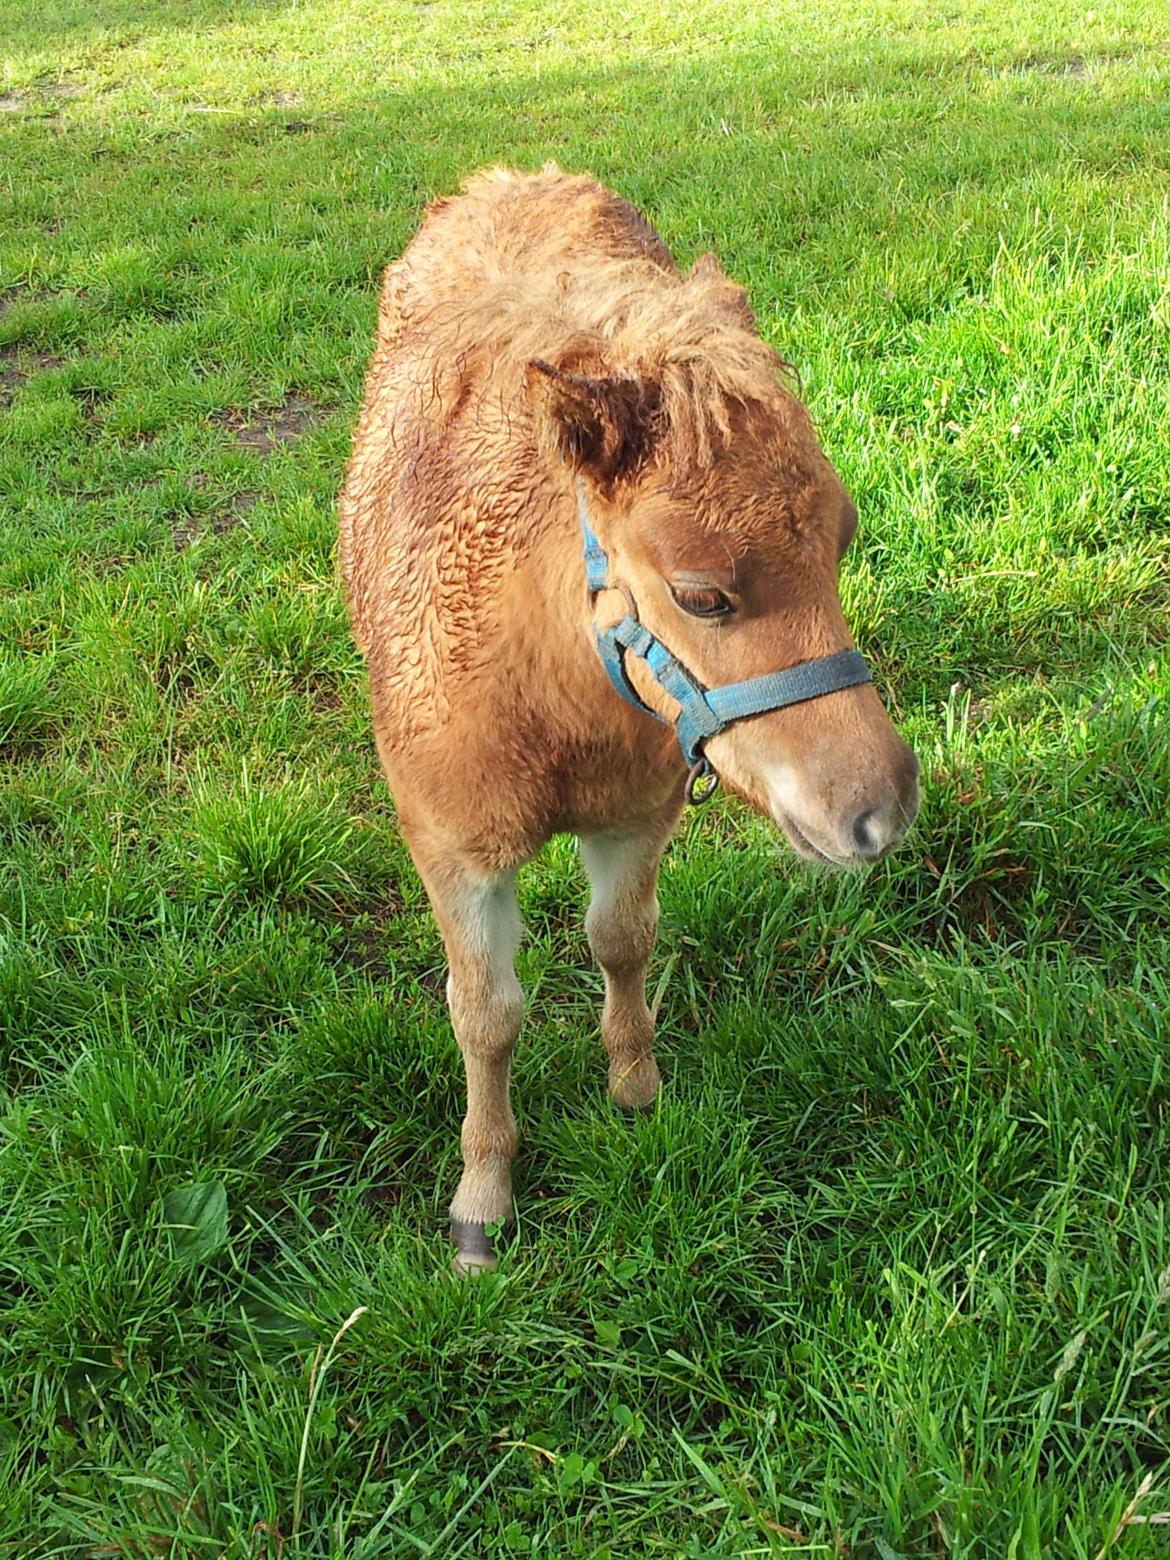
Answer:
(634, 1084)
(474, 1252)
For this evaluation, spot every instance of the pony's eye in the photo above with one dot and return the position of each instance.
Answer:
(701, 602)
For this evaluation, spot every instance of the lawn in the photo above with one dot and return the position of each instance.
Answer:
(886, 1272)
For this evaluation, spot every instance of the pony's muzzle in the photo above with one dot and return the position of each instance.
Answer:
(877, 830)
(845, 809)
(866, 819)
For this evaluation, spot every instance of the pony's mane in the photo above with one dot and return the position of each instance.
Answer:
(689, 340)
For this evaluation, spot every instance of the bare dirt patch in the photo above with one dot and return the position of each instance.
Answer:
(368, 944)
(269, 430)
(322, 690)
(187, 529)
(17, 369)
(232, 513)
(39, 100)
(1071, 65)
(1075, 66)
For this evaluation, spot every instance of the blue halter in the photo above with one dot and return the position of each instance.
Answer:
(702, 712)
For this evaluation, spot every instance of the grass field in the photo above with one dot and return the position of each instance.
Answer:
(887, 1270)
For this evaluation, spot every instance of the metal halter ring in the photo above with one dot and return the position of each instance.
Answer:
(699, 771)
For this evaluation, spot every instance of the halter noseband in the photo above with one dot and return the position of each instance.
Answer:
(702, 712)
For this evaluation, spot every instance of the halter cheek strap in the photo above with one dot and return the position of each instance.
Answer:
(702, 712)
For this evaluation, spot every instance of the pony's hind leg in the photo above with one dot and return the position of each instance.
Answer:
(481, 928)
(621, 924)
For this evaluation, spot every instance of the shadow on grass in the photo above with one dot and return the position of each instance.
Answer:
(869, 195)
(29, 27)
(757, 154)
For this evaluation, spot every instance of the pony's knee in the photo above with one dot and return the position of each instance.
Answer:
(486, 1019)
(622, 944)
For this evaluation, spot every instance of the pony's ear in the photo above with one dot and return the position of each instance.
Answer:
(602, 425)
(709, 265)
(708, 272)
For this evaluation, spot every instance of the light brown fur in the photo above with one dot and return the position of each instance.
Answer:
(537, 329)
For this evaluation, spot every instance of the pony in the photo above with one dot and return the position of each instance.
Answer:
(590, 546)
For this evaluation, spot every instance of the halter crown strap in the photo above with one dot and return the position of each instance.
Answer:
(703, 712)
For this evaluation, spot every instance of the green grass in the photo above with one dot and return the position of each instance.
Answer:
(887, 1270)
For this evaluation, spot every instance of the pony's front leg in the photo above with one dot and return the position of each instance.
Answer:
(481, 928)
(621, 924)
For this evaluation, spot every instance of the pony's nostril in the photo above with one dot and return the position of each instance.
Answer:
(867, 833)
